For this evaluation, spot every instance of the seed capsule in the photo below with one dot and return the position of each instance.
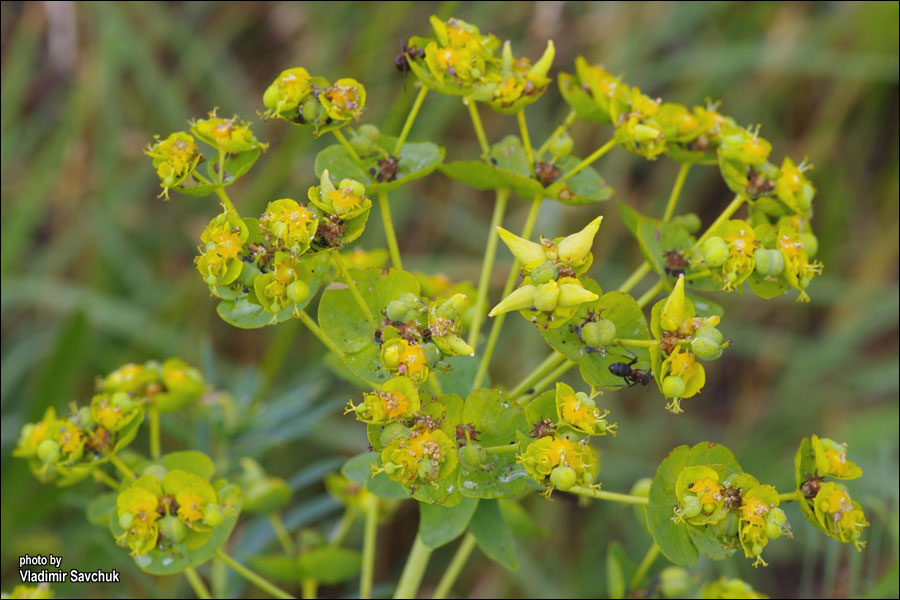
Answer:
(563, 478)
(673, 387)
(212, 515)
(172, 528)
(715, 251)
(598, 333)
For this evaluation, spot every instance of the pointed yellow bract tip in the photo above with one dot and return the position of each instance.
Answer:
(576, 247)
(520, 299)
(527, 252)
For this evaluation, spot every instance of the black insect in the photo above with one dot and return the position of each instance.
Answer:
(402, 60)
(631, 375)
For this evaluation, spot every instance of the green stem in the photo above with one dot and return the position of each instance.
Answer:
(221, 167)
(514, 447)
(389, 230)
(676, 191)
(651, 293)
(790, 497)
(225, 200)
(317, 331)
(507, 289)
(343, 140)
(635, 278)
(154, 433)
(339, 263)
(487, 265)
(309, 588)
(726, 214)
(343, 527)
(218, 577)
(697, 275)
(550, 363)
(368, 553)
(526, 139)
(282, 534)
(410, 118)
(455, 567)
(476, 123)
(570, 118)
(587, 161)
(103, 477)
(252, 577)
(645, 565)
(604, 495)
(197, 584)
(414, 570)
(548, 380)
(121, 466)
(636, 343)
(434, 384)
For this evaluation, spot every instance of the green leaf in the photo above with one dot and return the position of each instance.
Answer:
(237, 165)
(416, 160)
(359, 470)
(446, 492)
(621, 309)
(458, 380)
(519, 520)
(496, 417)
(707, 543)
(493, 534)
(675, 540)
(191, 461)
(101, 508)
(329, 565)
(203, 189)
(655, 238)
(581, 101)
(439, 525)
(542, 408)
(764, 288)
(585, 187)
(506, 167)
(278, 567)
(619, 570)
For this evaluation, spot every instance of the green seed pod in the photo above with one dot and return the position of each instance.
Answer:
(362, 144)
(563, 478)
(775, 523)
(472, 456)
(674, 582)
(585, 400)
(544, 272)
(311, 110)
(173, 528)
(125, 520)
(396, 310)
(213, 515)
(298, 291)
(727, 527)
(641, 487)
(807, 193)
(355, 187)
(391, 432)
(598, 333)
(715, 251)
(709, 508)
(645, 133)
(673, 387)
(48, 451)
(369, 131)
(123, 401)
(432, 353)
(710, 332)
(563, 145)
(690, 506)
(390, 356)
(756, 550)
(705, 348)
(810, 244)
(450, 307)
(271, 96)
(768, 262)
(84, 417)
(155, 471)
(689, 221)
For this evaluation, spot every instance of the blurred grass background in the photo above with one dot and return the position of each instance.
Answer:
(96, 271)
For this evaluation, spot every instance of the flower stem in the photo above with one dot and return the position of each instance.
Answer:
(389, 229)
(197, 584)
(339, 263)
(790, 497)
(410, 118)
(455, 567)
(645, 565)
(225, 200)
(611, 496)
(550, 363)
(650, 294)
(340, 532)
(635, 278)
(309, 588)
(587, 161)
(636, 343)
(507, 289)
(476, 123)
(121, 466)
(281, 532)
(317, 331)
(368, 553)
(676, 191)
(252, 577)
(526, 139)
(343, 140)
(487, 265)
(570, 118)
(414, 570)
(726, 214)
(103, 477)
(154, 433)
(547, 381)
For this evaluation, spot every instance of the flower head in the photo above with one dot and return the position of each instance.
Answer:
(227, 135)
(545, 454)
(289, 225)
(174, 159)
(398, 399)
(287, 92)
(223, 240)
(423, 457)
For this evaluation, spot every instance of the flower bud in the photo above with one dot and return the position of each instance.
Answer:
(674, 582)
(213, 515)
(563, 478)
(776, 522)
(598, 333)
(714, 251)
(546, 296)
(576, 247)
(563, 145)
(674, 311)
(645, 133)
(173, 528)
(48, 451)
(543, 64)
(544, 272)
(368, 130)
(673, 387)
(450, 307)
(311, 111)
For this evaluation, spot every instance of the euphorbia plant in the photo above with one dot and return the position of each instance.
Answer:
(438, 431)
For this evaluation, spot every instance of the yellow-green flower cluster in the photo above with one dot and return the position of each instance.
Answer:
(164, 508)
(174, 159)
(398, 400)
(461, 61)
(32, 592)
(728, 589)
(551, 291)
(219, 262)
(422, 457)
(558, 462)
(578, 411)
(297, 97)
(228, 135)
